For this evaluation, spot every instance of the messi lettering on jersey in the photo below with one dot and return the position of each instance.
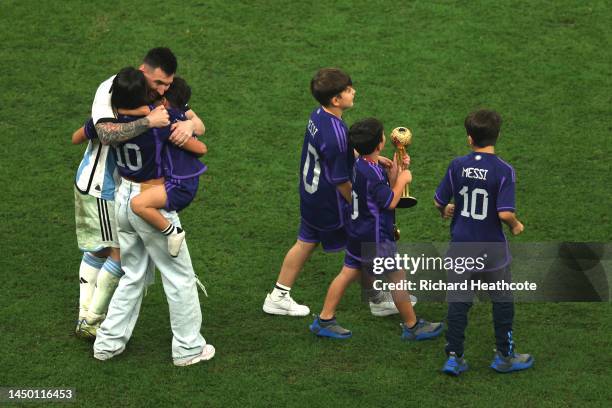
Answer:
(327, 160)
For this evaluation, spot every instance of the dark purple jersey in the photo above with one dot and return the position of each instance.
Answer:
(327, 160)
(179, 164)
(481, 184)
(139, 159)
(371, 220)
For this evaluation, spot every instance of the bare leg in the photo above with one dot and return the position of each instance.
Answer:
(147, 203)
(336, 291)
(401, 298)
(294, 262)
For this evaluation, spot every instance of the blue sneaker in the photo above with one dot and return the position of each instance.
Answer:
(454, 365)
(329, 329)
(422, 331)
(513, 362)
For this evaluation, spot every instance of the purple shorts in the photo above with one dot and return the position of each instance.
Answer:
(331, 241)
(376, 265)
(180, 193)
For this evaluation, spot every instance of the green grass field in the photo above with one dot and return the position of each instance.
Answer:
(545, 66)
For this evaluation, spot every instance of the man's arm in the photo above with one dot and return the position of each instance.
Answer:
(115, 133)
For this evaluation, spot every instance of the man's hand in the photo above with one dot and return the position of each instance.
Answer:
(181, 132)
(518, 228)
(158, 117)
(448, 211)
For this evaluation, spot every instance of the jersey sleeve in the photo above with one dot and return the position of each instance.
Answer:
(334, 153)
(90, 129)
(506, 194)
(382, 194)
(101, 109)
(444, 192)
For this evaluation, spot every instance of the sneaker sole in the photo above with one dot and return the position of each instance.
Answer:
(322, 332)
(283, 312)
(202, 357)
(385, 312)
(514, 367)
(455, 373)
(426, 336)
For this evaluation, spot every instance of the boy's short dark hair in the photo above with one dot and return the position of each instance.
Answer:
(178, 94)
(161, 57)
(483, 125)
(366, 134)
(327, 83)
(129, 90)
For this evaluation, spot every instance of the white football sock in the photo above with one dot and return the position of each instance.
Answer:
(108, 279)
(279, 291)
(88, 273)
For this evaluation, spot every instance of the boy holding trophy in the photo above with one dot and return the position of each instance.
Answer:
(376, 192)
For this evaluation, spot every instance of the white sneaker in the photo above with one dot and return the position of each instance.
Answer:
(285, 306)
(174, 243)
(208, 352)
(387, 307)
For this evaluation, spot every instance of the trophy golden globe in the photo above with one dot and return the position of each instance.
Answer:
(401, 138)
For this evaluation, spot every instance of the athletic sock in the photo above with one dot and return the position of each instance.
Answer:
(280, 291)
(88, 273)
(325, 322)
(107, 282)
(414, 325)
(171, 229)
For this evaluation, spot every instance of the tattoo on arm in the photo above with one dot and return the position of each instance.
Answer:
(114, 133)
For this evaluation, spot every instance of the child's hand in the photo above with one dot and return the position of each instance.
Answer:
(404, 177)
(448, 211)
(158, 117)
(518, 228)
(406, 161)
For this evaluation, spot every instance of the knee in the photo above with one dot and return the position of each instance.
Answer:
(137, 204)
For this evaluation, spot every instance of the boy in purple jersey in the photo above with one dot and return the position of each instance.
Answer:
(181, 167)
(325, 187)
(482, 187)
(371, 222)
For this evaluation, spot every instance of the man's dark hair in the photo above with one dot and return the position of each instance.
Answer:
(178, 94)
(327, 83)
(161, 57)
(483, 125)
(366, 134)
(129, 90)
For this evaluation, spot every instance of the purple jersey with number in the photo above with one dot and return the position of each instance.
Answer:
(327, 160)
(140, 158)
(481, 185)
(179, 164)
(371, 220)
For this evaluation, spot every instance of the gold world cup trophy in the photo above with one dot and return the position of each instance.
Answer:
(401, 138)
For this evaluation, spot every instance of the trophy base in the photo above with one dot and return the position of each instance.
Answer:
(407, 202)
